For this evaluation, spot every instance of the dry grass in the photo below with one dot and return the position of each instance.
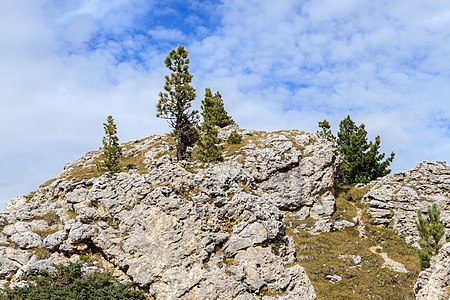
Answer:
(319, 255)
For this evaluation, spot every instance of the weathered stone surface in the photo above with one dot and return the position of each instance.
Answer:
(181, 231)
(433, 283)
(395, 199)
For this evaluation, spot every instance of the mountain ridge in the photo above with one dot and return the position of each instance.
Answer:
(184, 230)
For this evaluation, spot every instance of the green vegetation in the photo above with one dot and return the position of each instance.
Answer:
(362, 161)
(213, 110)
(175, 101)
(431, 231)
(68, 283)
(111, 149)
(214, 115)
(234, 138)
(209, 150)
(326, 131)
(331, 254)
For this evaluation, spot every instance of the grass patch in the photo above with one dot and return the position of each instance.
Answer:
(41, 253)
(45, 233)
(71, 214)
(322, 255)
(363, 281)
(51, 218)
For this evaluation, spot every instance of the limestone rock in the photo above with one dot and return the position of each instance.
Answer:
(433, 283)
(395, 199)
(180, 230)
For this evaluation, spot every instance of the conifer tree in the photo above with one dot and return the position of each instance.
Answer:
(213, 110)
(362, 161)
(209, 150)
(431, 230)
(175, 101)
(111, 149)
(326, 131)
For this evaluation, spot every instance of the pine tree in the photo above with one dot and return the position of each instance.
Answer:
(362, 161)
(175, 101)
(213, 110)
(111, 149)
(209, 150)
(326, 131)
(431, 230)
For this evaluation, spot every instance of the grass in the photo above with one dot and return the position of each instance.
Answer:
(320, 256)
(51, 218)
(86, 167)
(45, 233)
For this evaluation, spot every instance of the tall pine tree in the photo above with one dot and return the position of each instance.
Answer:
(111, 149)
(174, 103)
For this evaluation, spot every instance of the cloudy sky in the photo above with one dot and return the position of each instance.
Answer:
(284, 64)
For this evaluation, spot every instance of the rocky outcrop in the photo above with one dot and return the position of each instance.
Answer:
(434, 282)
(394, 199)
(180, 230)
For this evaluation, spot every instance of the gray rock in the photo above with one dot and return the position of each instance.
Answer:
(433, 283)
(342, 224)
(180, 230)
(334, 278)
(26, 240)
(54, 240)
(395, 199)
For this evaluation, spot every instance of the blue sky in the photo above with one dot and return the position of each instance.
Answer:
(66, 65)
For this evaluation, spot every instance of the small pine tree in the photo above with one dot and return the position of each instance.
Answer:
(234, 138)
(431, 230)
(175, 101)
(213, 110)
(111, 149)
(326, 131)
(209, 150)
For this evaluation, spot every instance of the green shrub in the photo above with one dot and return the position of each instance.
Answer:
(234, 138)
(68, 283)
(431, 230)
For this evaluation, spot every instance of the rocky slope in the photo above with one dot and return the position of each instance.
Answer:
(193, 231)
(179, 230)
(394, 200)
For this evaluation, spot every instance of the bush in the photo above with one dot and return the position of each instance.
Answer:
(67, 283)
(234, 138)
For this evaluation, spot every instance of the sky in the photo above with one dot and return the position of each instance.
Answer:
(284, 64)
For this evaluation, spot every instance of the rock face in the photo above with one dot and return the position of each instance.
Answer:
(180, 230)
(394, 199)
(433, 282)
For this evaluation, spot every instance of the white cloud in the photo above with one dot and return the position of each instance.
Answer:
(167, 34)
(66, 65)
